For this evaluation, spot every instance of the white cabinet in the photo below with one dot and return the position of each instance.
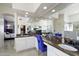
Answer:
(1, 32)
(52, 51)
(36, 43)
(24, 43)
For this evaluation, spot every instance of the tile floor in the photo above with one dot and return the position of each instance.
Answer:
(9, 50)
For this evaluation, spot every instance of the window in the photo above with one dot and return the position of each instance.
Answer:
(68, 27)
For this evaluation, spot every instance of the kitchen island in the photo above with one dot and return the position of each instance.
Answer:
(54, 50)
(24, 42)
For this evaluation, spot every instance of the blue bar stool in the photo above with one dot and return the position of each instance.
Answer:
(41, 46)
(58, 35)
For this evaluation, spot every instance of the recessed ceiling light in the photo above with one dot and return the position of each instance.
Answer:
(53, 10)
(27, 13)
(45, 7)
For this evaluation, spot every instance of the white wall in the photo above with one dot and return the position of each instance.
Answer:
(1, 31)
(21, 21)
(71, 13)
(46, 24)
(59, 24)
(71, 10)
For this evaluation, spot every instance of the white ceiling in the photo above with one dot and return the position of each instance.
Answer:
(50, 6)
(30, 7)
(40, 11)
(34, 9)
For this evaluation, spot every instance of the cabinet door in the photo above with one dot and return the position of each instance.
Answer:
(31, 42)
(50, 50)
(59, 53)
(24, 43)
(20, 44)
(36, 43)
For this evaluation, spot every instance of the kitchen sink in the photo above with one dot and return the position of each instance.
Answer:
(67, 47)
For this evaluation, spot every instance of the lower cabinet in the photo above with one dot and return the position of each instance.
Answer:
(52, 51)
(24, 43)
(36, 43)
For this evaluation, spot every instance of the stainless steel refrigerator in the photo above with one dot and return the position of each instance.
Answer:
(1, 31)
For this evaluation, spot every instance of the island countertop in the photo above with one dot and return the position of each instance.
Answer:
(20, 36)
(71, 53)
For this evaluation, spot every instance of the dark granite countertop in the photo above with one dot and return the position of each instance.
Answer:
(71, 53)
(21, 36)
